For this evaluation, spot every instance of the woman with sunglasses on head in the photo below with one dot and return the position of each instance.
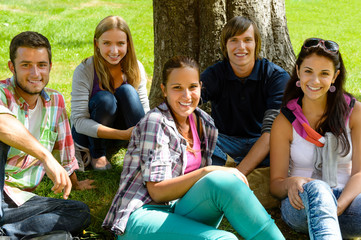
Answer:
(316, 147)
(109, 94)
(168, 188)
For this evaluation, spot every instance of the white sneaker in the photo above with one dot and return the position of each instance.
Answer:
(82, 154)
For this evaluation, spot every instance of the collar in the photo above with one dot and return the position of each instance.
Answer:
(253, 76)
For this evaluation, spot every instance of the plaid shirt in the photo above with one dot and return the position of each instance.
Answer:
(156, 152)
(23, 172)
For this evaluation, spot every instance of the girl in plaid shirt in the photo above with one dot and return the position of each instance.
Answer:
(168, 188)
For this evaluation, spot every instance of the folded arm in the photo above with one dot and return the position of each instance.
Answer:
(14, 134)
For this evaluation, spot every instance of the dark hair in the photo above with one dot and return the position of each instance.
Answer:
(236, 26)
(172, 64)
(337, 109)
(31, 40)
(177, 62)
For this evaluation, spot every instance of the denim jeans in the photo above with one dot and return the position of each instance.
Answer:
(121, 111)
(4, 149)
(199, 212)
(235, 147)
(319, 217)
(39, 214)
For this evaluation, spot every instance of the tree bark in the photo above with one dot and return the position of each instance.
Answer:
(193, 28)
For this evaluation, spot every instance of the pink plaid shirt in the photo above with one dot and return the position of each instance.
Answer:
(23, 172)
(156, 152)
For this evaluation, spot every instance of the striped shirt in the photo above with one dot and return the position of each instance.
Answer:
(156, 152)
(23, 172)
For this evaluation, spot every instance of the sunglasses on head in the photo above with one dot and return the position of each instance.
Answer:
(328, 45)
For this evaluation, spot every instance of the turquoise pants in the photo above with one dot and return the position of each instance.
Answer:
(199, 212)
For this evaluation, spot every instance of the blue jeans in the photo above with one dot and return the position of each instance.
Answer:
(319, 217)
(235, 147)
(39, 214)
(199, 212)
(121, 111)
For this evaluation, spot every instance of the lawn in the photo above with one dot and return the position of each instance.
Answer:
(70, 24)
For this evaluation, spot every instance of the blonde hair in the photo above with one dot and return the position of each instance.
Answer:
(129, 62)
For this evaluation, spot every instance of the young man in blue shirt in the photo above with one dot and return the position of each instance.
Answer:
(246, 94)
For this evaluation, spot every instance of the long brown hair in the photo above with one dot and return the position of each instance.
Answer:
(129, 62)
(334, 116)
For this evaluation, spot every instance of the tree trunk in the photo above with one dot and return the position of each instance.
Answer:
(193, 28)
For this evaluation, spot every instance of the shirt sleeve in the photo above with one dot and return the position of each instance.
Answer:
(210, 85)
(269, 116)
(275, 86)
(63, 149)
(156, 157)
(3, 101)
(81, 88)
(142, 89)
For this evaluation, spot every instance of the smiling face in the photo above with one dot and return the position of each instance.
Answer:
(241, 52)
(112, 45)
(316, 75)
(31, 70)
(182, 91)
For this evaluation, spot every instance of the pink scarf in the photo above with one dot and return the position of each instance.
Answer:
(325, 157)
(293, 112)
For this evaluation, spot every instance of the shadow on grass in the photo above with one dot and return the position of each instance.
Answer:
(107, 182)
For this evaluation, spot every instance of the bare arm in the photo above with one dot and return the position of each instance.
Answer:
(281, 137)
(81, 185)
(281, 185)
(14, 134)
(256, 155)
(353, 187)
(175, 188)
(112, 133)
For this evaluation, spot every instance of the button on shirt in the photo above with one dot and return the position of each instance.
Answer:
(156, 152)
(23, 172)
(238, 105)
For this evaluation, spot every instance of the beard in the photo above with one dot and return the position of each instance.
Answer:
(25, 88)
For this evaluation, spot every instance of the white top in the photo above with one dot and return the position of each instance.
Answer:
(35, 118)
(302, 159)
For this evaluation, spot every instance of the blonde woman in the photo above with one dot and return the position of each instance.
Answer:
(109, 94)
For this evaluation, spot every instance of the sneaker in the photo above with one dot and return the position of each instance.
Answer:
(82, 154)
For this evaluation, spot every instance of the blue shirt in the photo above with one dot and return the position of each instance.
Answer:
(238, 106)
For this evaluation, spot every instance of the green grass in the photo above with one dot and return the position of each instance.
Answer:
(70, 25)
(336, 20)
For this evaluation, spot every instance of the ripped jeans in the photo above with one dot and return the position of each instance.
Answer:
(319, 217)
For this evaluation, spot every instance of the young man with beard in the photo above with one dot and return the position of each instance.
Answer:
(35, 139)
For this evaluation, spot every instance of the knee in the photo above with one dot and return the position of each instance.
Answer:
(104, 101)
(317, 186)
(82, 211)
(226, 182)
(126, 94)
(318, 192)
